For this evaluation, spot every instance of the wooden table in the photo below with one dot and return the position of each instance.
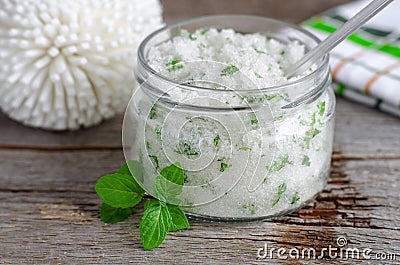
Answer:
(49, 210)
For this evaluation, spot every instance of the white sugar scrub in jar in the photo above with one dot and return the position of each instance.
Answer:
(214, 98)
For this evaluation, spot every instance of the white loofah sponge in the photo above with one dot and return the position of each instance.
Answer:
(69, 63)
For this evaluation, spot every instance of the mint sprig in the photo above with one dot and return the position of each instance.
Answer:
(120, 193)
(155, 224)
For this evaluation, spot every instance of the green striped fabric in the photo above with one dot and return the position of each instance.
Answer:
(365, 67)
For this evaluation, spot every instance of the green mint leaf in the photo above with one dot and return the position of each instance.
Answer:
(244, 148)
(179, 219)
(112, 215)
(258, 51)
(216, 140)
(170, 183)
(258, 75)
(281, 190)
(154, 160)
(295, 198)
(279, 163)
(230, 70)
(283, 52)
(119, 190)
(203, 32)
(306, 161)
(155, 224)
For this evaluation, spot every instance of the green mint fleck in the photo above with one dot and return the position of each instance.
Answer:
(275, 97)
(148, 145)
(295, 198)
(244, 148)
(281, 190)
(201, 46)
(258, 75)
(265, 180)
(278, 118)
(312, 131)
(282, 52)
(154, 160)
(303, 122)
(230, 70)
(216, 140)
(157, 130)
(223, 166)
(203, 32)
(174, 65)
(191, 37)
(306, 161)
(251, 208)
(119, 190)
(321, 108)
(259, 51)
(153, 113)
(279, 163)
(179, 220)
(187, 149)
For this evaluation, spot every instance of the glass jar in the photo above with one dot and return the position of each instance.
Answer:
(248, 153)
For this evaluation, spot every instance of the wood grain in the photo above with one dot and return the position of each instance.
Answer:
(60, 224)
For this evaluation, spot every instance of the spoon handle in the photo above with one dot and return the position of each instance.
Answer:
(338, 36)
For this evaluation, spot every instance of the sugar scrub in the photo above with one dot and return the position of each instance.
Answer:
(253, 144)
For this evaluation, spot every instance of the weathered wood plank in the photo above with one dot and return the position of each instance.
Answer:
(106, 135)
(289, 10)
(78, 238)
(360, 132)
(49, 213)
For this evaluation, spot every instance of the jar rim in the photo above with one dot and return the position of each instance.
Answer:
(323, 63)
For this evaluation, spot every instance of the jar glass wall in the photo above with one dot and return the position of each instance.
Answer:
(247, 153)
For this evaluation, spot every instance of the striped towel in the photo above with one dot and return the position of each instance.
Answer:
(365, 67)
